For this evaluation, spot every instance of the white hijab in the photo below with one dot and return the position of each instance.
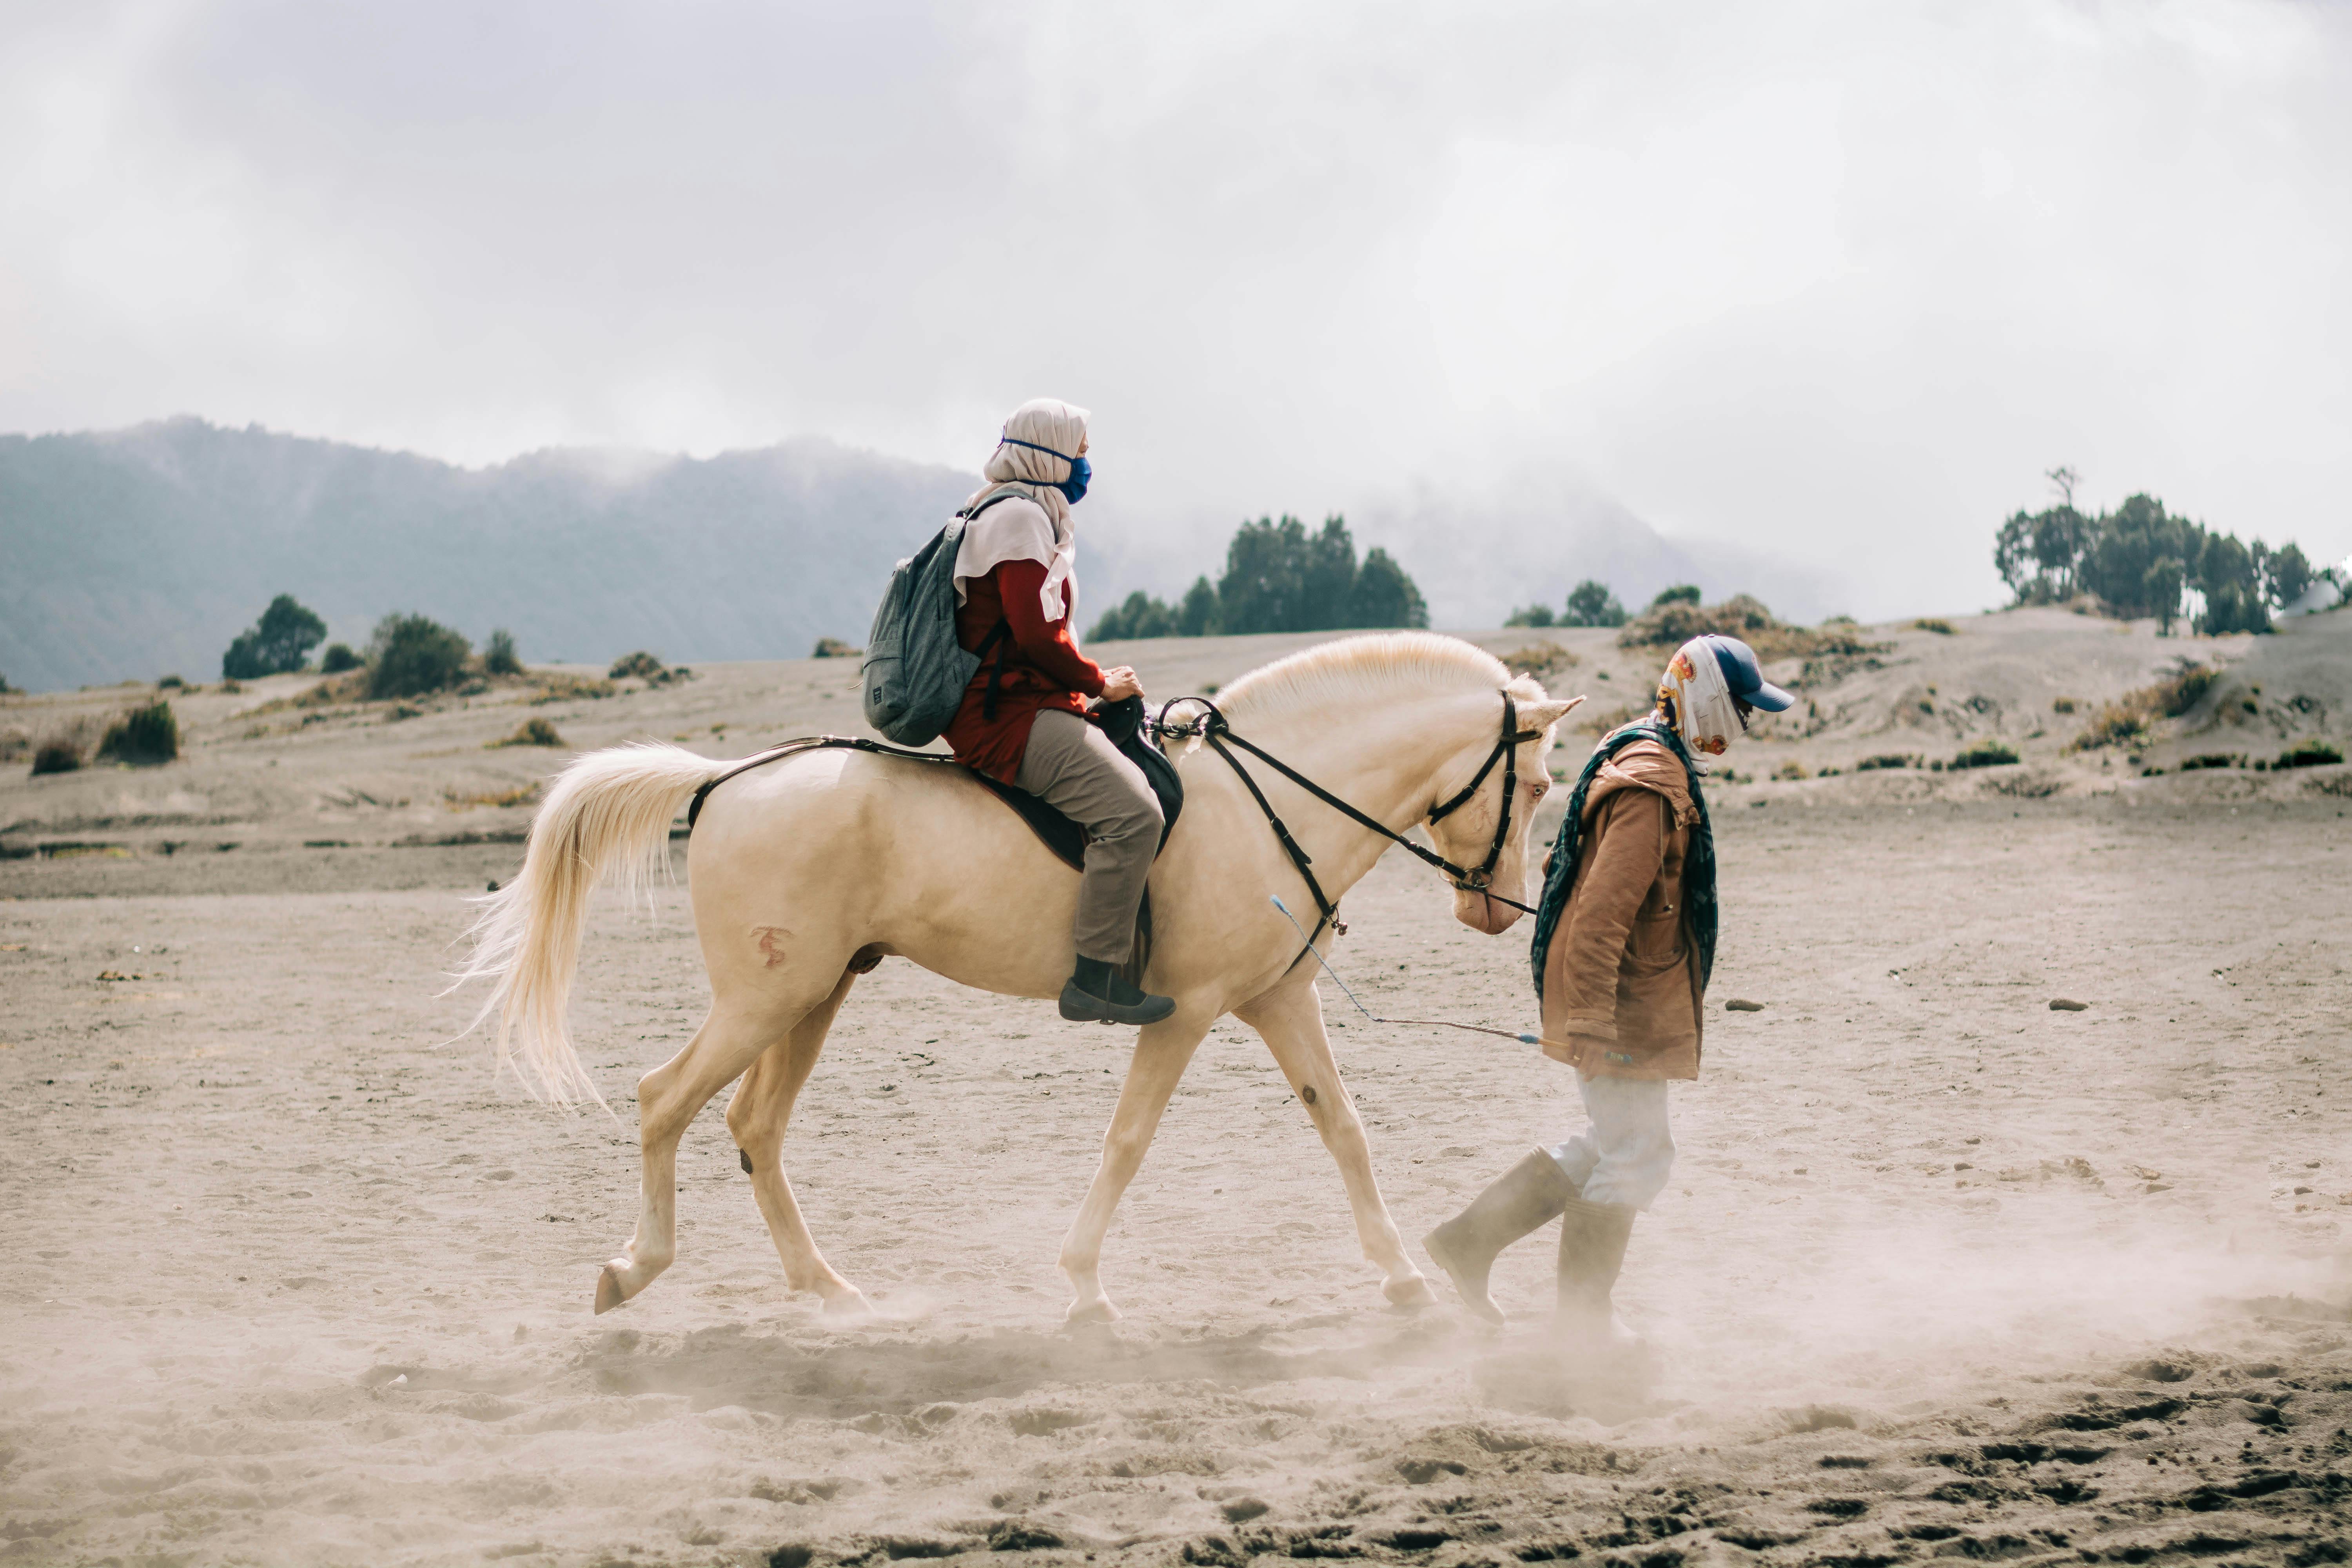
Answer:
(1693, 690)
(1042, 531)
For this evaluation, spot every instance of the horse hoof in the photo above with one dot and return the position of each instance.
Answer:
(850, 1307)
(608, 1290)
(1096, 1310)
(1412, 1292)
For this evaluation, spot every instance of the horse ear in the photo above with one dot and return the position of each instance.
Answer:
(1539, 715)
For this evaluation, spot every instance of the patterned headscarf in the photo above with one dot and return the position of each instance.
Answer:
(1695, 695)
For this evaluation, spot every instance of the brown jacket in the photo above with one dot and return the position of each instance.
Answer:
(1622, 993)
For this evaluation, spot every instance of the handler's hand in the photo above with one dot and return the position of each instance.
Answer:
(1120, 684)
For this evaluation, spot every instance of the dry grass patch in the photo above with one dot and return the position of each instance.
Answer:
(532, 732)
(1540, 660)
(2131, 721)
(454, 799)
(556, 686)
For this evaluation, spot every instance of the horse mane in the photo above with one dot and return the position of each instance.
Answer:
(1350, 669)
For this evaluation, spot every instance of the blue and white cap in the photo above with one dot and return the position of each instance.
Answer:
(1744, 677)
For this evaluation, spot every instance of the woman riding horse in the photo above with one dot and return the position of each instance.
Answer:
(1023, 721)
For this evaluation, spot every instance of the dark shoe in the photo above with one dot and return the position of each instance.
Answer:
(1592, 1238)
(1529, 1194)
(1098, 993)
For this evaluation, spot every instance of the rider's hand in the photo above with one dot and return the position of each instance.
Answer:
(1120, 684)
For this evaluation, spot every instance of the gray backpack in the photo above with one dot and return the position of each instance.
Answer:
(916, 672)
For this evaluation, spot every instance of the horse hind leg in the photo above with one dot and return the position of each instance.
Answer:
(756, 1118)
(731, 1037)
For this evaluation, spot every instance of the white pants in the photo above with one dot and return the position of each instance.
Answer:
(1625, 1156)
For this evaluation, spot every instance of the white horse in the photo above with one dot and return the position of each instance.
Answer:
(804, 872)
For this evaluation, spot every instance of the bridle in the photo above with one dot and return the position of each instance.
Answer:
(1213, 728)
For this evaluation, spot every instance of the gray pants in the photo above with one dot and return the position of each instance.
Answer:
(1625, 1155)
(1072, 766)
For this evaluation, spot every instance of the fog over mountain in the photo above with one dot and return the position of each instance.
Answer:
(1838, 280)
(141, 552)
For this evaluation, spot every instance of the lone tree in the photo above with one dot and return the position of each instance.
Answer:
(1591, 604)
(278, 644)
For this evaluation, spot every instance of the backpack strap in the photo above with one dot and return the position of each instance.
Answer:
(967, 514)
(1001, 633)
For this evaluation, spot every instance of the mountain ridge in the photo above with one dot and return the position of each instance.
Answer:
(143, 550)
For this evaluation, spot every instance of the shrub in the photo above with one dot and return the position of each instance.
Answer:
(2062, 705)
(1941, 628)
(171, 683)
(1985, 754)
(834, 648)
(2032, 784)
(640, 665)
(275, 645)
(145, 737)
(57, 755)
(533, 733)
(1532, 616)
(412, 655)
(5, 687)
(2131, 721)
(499, 655)
(2178, 692)
(1791, 770)
(14, 743)
(2310, 754)
(337, 659)
(1680, 594)
(1889, 759)
(2213, 760)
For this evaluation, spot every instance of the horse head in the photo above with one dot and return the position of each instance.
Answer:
(1491, 826)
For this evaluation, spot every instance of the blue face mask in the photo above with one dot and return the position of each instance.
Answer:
(1074, 489)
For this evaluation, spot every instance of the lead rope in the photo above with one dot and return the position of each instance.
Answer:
(1407, 1023)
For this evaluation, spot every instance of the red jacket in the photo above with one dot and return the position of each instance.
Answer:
(1042, 668)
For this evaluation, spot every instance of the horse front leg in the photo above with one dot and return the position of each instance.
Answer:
(1162, 1051)
(756, 1119)
(1289, 1018)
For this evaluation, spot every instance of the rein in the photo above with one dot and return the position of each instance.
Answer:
(1213, 728)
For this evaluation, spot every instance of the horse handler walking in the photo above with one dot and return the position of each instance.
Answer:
(1625, 940)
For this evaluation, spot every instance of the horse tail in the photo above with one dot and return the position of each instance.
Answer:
(607, 818)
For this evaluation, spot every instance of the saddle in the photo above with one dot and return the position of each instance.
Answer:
(1122, 721)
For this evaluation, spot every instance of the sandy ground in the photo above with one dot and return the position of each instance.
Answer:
(1942, 1272)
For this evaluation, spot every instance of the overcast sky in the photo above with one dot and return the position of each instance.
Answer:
(1835, 280)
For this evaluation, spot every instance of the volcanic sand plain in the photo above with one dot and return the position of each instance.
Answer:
(1942, 1272)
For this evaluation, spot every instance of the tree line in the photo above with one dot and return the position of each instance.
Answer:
(1278, 577)
(1593, 603)
(408, 656)
(2142, 561)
